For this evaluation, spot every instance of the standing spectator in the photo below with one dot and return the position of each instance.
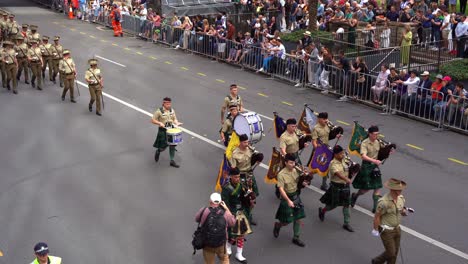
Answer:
(380, 84)
(385, 36)
(361, 71)
(353, 22)
(214, 220)
(83, 9)
(292, 16)
(312, 66)
(406, 15)
(445, 29)
(231, 30)
(463, 6)
(325, 75)
(406, 44)
(342, 63)
(436, 25)
(391, 82)
(96, 8)
(461, 33)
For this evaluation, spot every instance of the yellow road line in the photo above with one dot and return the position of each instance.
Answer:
(139, 53)
(286, 103)
(261, 94)
(55, 22)
(168, 62)
(183, 68)
(343, 122)
(127, 48)
(201, 74)
(240, 87)
(103, 40)
(458, 161)
(115, 44)
(64, 26)
(91, 36)
(1, 253)
(73, 29)
(415, 147)
(221, 81)
(82, 33)
(152, 57)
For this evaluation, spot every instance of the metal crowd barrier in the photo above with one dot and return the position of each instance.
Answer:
(456, 113)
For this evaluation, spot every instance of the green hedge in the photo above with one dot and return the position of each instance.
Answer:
(297, 35)
(457, 69)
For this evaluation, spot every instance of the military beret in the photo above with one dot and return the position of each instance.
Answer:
(337, 149)
(234, 171)
(243, 137)
(373, 129)
(291, 121)
(289, 157)
(323, 115)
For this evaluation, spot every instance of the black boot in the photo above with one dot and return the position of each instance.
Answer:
(298, 242)
(90, 107)
(321, 214)
(8, 86)
(276, 230)
(73, 101)
(99, 114)
(348, 228)
(156, 155)
(174, 164)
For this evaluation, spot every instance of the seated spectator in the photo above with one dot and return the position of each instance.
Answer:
(409, 98)
(441, 98)
(236, 48)
(391, 85)
(424, 87)
(456, 105)
(380, 84)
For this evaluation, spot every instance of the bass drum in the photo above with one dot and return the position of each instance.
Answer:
(249, 123)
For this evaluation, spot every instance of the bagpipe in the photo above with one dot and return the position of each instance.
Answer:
(248, 197)
(353, 167)
(386, 148)
(304, 177)
(334, 130)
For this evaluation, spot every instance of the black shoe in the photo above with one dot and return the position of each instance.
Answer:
(61, 85)
(174, 164)
(53, 80)
(17, 77)
(276, 230)
(253, 222)
(63, 98)
(43, 76)
(156, 155)
(348, 228)
(8, 87)
(241, 261)
(321, 214)
(298, 242)
(90, 107)
(373, 261)
(26, 82)
(33, 84)
(15, 92)
(324, 187)
(121, 34)
(99, 114)
(353, 199)
(39, 88)
(73, 101)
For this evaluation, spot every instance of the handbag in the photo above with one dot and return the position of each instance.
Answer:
(361, 79)
(197, 237)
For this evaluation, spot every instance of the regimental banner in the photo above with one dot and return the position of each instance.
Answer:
(275, 165)
(320, 159)
(307, 121)
(358, 135)
(233, 143)
(223, 174)
(279, 125)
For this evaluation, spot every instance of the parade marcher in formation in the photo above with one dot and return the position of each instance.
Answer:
(227, 127)
(67, 69)
(116, 18)
(12, 28)
(242, 159)
(22, 57)
(11, 65)
(291, 208)
(46, 57)
(370, 177)
(233, 98)
(338, 194)
(25, 32)
(3, 26)
(95, 84)
(35, 62)
(34, 35)
(2, 66)
(41, 250)
(289, 141)
(232, 194)
(387, 221)
(57, 55)
(165, 117)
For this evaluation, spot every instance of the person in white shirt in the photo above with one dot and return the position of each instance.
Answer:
(409, 98)
(445, 29)
(380, 84)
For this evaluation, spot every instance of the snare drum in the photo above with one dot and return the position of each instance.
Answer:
(249, 123)
(174, 136)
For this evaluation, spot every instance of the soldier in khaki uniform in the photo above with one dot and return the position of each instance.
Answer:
(12, 28)
(25, 32)
(232, 98)
(46, 57)
(95, 84)
(2, 67)
(3, 26)
(11, 64)
(339, 192)
(35, 62)
(22, 57)
(68, 70)
(387, 219)
(57, 55)
(227, 127)
(289, 141)
(33, 35)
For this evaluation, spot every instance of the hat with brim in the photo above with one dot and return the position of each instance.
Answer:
(215, 198)
(92, 62)
(19, 37)
(395, 184)
(11, 16)
(7, 42)
(66, 52)
(33, 41)
(33, 27)
(24, 25)
(425, 73)
(46, 38)
(56, 38)
(307, 33)
(439, 76)
(41, 249)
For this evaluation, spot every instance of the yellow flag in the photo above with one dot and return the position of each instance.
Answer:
(233, 143)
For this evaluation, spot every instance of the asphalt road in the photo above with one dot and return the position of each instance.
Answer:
(88, 185)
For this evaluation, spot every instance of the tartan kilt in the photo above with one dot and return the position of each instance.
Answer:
(286, 214)
(338, 194)
(161, 140)
(366, 180)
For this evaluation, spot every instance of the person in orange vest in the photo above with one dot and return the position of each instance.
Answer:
(116, 17)
(41, 250)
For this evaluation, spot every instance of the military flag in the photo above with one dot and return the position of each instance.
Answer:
(279, 125)
(307, 121)
(223, 174)
(358, 135)
(320, 159)
(274, 167)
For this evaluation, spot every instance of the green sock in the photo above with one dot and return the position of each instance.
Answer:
(376, 199)
(346, 215)
(296, 228)
(171, 152)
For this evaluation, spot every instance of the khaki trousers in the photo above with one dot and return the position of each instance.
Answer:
(23, 65)
(55, 70)
(95, 91)
(47, 63)
(209, 254)
(11, 70)
(37, 74)
(391, 242)
(69, 84)
(3, 69)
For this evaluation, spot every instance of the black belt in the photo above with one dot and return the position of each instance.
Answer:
(68, 73)
(340, 185)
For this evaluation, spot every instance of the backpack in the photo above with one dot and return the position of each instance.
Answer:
(117, 16)
(214, 228)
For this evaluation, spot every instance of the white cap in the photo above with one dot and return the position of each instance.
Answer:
(215, 198)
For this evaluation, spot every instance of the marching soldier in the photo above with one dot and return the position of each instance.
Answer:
(387, 220)
(227, 127)
(2, 66)
(12, 28)
(46, 57)
(41, 250)
(11, 64)
(35, 62)
(57, 55)
(289, 140)
(25, 32)
(291, 208)
(68, 71)
(339, 192)
(165, 117)
(95, 84)
(232, 194)
(233, 98)
(33, 35)
(3, 26)
(22, 57)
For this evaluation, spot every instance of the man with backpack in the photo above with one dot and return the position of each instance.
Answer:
(213, 222)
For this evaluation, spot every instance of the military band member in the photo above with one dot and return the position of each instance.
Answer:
(35, 62)
(289, 140)
(387, 220)
(57, 55)
(22, 57)
(46, 57)
(68, 71)
(11, 65)
(12, 28)
(339, 192)
(369, 178)
(227, 127)
(291, 208)
(34, 35)
(95, 84)
(165, 117)
(232, 195)
(232, 98)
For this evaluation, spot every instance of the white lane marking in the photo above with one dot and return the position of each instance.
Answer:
(266, 117)
(100, 28)
(111, 61)
(313, 188)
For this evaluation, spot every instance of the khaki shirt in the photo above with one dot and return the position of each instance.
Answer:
(93, 75)
(290, 142)
(165, 117)
(34, 54)
(321, 132)
(288, 180)
(45, 49)
(370, 149)
(9, 56)
(237, 101)
(12, 27)
(390, 211)
(22, 51)
(67, 66)
(227, 126)
(56, 51)
(3, 24)
(241, 159)
(36, 36)
(338, 166)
